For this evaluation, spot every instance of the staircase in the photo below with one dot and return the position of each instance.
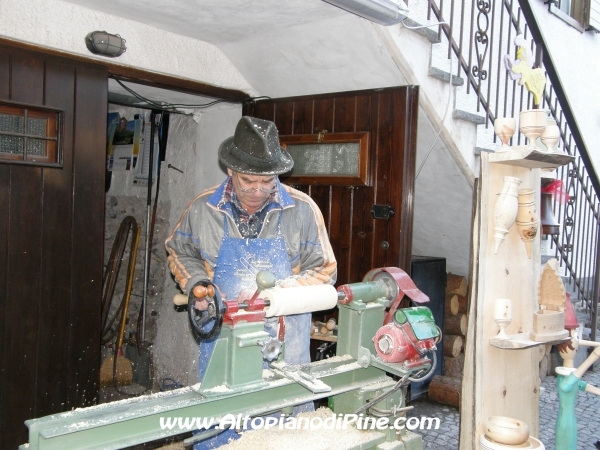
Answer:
(467, 49)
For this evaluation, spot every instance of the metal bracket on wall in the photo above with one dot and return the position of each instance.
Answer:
(382, 211)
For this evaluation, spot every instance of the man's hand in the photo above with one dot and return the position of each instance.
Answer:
(201, 293)
(201, 304)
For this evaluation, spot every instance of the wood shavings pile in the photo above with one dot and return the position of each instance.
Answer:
(314, 439)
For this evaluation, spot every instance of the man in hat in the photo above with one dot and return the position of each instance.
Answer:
(252, 222)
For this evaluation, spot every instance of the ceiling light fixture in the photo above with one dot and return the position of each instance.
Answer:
(106, 44)
(383, 12)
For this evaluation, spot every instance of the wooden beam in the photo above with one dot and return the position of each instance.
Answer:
(140, 76)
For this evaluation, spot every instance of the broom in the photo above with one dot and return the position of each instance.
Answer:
(117, 369)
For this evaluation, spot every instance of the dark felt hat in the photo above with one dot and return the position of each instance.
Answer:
(255, 149)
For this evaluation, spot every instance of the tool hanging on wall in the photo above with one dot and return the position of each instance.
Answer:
(159, 121)
(117, 369)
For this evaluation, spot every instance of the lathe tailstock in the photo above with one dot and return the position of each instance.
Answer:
(378, 354)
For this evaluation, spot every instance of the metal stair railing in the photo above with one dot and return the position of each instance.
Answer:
(478, 35)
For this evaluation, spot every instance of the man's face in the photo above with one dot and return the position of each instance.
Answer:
(252, 190)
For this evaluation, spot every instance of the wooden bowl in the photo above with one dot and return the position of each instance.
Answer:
(506, 430)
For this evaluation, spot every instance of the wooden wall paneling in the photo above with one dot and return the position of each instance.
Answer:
(395, 187)
(363, 122)
(284, 116)
(341, 202)
(409, 170)
(341, 229)
(24, 218)
(303, 117)
(27, 78)
(21, 308)
(4, 206)
(323, 113)
(323, 116)
(361, 239)
(87, 240)
(384, 170)
(344, 119)
(322, 197)
(259, 109)
(51, 386)
(4, 74)
(359, 261)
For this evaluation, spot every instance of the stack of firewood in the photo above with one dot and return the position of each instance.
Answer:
(446, 388)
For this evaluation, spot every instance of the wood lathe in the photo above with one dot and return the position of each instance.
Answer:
(378, 355)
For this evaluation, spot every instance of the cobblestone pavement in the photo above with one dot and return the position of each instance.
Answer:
(587, 410)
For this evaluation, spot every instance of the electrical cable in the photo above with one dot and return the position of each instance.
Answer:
(422, 26)
(445, 112)
(399, 384)
(430, 372)
(172, 107)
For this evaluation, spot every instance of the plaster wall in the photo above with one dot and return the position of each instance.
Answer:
(576, 55)
(336, 54)
(193, 145)
(63, 26)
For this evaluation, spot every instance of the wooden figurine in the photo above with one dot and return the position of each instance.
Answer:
(568, 350)
(521, 69)
(568, 384)
(549, 320)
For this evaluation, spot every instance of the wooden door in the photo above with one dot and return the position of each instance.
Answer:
(51, 246)
(389, 115)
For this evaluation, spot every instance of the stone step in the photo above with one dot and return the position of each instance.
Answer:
(429, 33)
(442, 75)
(468, 116)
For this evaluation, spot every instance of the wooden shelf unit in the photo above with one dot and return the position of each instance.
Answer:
(497, 382)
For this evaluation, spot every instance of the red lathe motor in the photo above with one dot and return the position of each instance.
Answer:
(408, 337)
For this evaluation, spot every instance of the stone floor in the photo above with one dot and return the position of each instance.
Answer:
(587, 411)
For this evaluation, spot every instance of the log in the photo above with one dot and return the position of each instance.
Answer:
(445, 390)
(451, 305)
(454, 367)
(456, 324)
(456, 284)
(463, 304)
(452, 345)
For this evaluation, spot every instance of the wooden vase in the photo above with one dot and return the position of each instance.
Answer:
(551, 136)
(505, 211)
(527, 218)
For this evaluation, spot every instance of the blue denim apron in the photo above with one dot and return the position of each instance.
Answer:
(238, 262)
